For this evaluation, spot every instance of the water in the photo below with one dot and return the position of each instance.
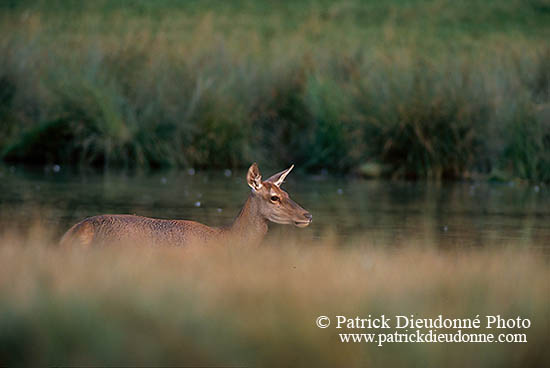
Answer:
(447, 214)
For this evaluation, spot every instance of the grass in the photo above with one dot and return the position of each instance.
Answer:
(425, 89)
(235, 305)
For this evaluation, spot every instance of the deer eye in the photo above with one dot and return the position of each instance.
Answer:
(274, 199)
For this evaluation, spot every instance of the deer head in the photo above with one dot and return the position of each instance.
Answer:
(274, 203)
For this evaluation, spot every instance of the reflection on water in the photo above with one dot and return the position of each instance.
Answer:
(449, 214)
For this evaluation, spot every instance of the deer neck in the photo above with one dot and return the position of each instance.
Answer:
(249, 226)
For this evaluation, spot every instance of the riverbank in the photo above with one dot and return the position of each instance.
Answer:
(437, 89)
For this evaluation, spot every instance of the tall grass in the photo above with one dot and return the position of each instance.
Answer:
(433, 89)
(234, 305)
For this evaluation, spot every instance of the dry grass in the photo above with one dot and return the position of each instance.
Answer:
(236, 305)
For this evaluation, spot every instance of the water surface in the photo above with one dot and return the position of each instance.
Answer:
(386, 213)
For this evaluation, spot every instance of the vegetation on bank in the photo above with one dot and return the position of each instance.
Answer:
(416, 89)
(257, 307)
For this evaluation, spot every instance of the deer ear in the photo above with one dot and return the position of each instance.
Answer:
(253, 177)
(278, 178)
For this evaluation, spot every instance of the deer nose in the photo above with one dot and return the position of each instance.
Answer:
(308, 216)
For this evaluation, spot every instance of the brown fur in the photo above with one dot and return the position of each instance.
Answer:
(250, 225)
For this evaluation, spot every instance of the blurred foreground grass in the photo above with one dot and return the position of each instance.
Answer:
(237, 306)
(417, 89)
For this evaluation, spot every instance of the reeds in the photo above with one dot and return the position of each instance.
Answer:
(435, 90)
(235, 305)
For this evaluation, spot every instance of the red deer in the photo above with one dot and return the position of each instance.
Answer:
(266, 202)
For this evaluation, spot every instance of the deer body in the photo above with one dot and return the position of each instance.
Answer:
(267, 202)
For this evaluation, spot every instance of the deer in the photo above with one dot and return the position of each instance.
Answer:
(267, 202)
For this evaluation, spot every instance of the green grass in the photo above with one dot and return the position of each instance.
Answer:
(427, 89)
(235, 305)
